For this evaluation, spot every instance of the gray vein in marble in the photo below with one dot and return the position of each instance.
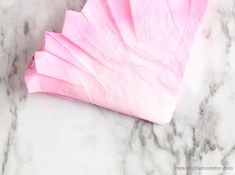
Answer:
(10, 137)
(26, 28)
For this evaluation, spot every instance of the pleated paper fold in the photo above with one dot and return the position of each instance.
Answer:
(125, 55)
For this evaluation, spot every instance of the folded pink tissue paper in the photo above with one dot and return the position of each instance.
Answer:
(125, 55)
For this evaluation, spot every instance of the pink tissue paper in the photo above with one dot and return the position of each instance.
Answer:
(125, 55)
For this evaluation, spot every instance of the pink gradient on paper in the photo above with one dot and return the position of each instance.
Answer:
(125, 55)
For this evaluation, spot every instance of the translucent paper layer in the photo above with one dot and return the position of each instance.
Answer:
(125, 55)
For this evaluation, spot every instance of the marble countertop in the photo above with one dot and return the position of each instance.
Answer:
(43, 135)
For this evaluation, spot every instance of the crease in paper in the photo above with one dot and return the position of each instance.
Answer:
(125, 55)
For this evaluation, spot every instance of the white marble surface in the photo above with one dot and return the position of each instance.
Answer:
(43, 135)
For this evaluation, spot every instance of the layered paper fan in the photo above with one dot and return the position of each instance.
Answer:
(125, 55)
